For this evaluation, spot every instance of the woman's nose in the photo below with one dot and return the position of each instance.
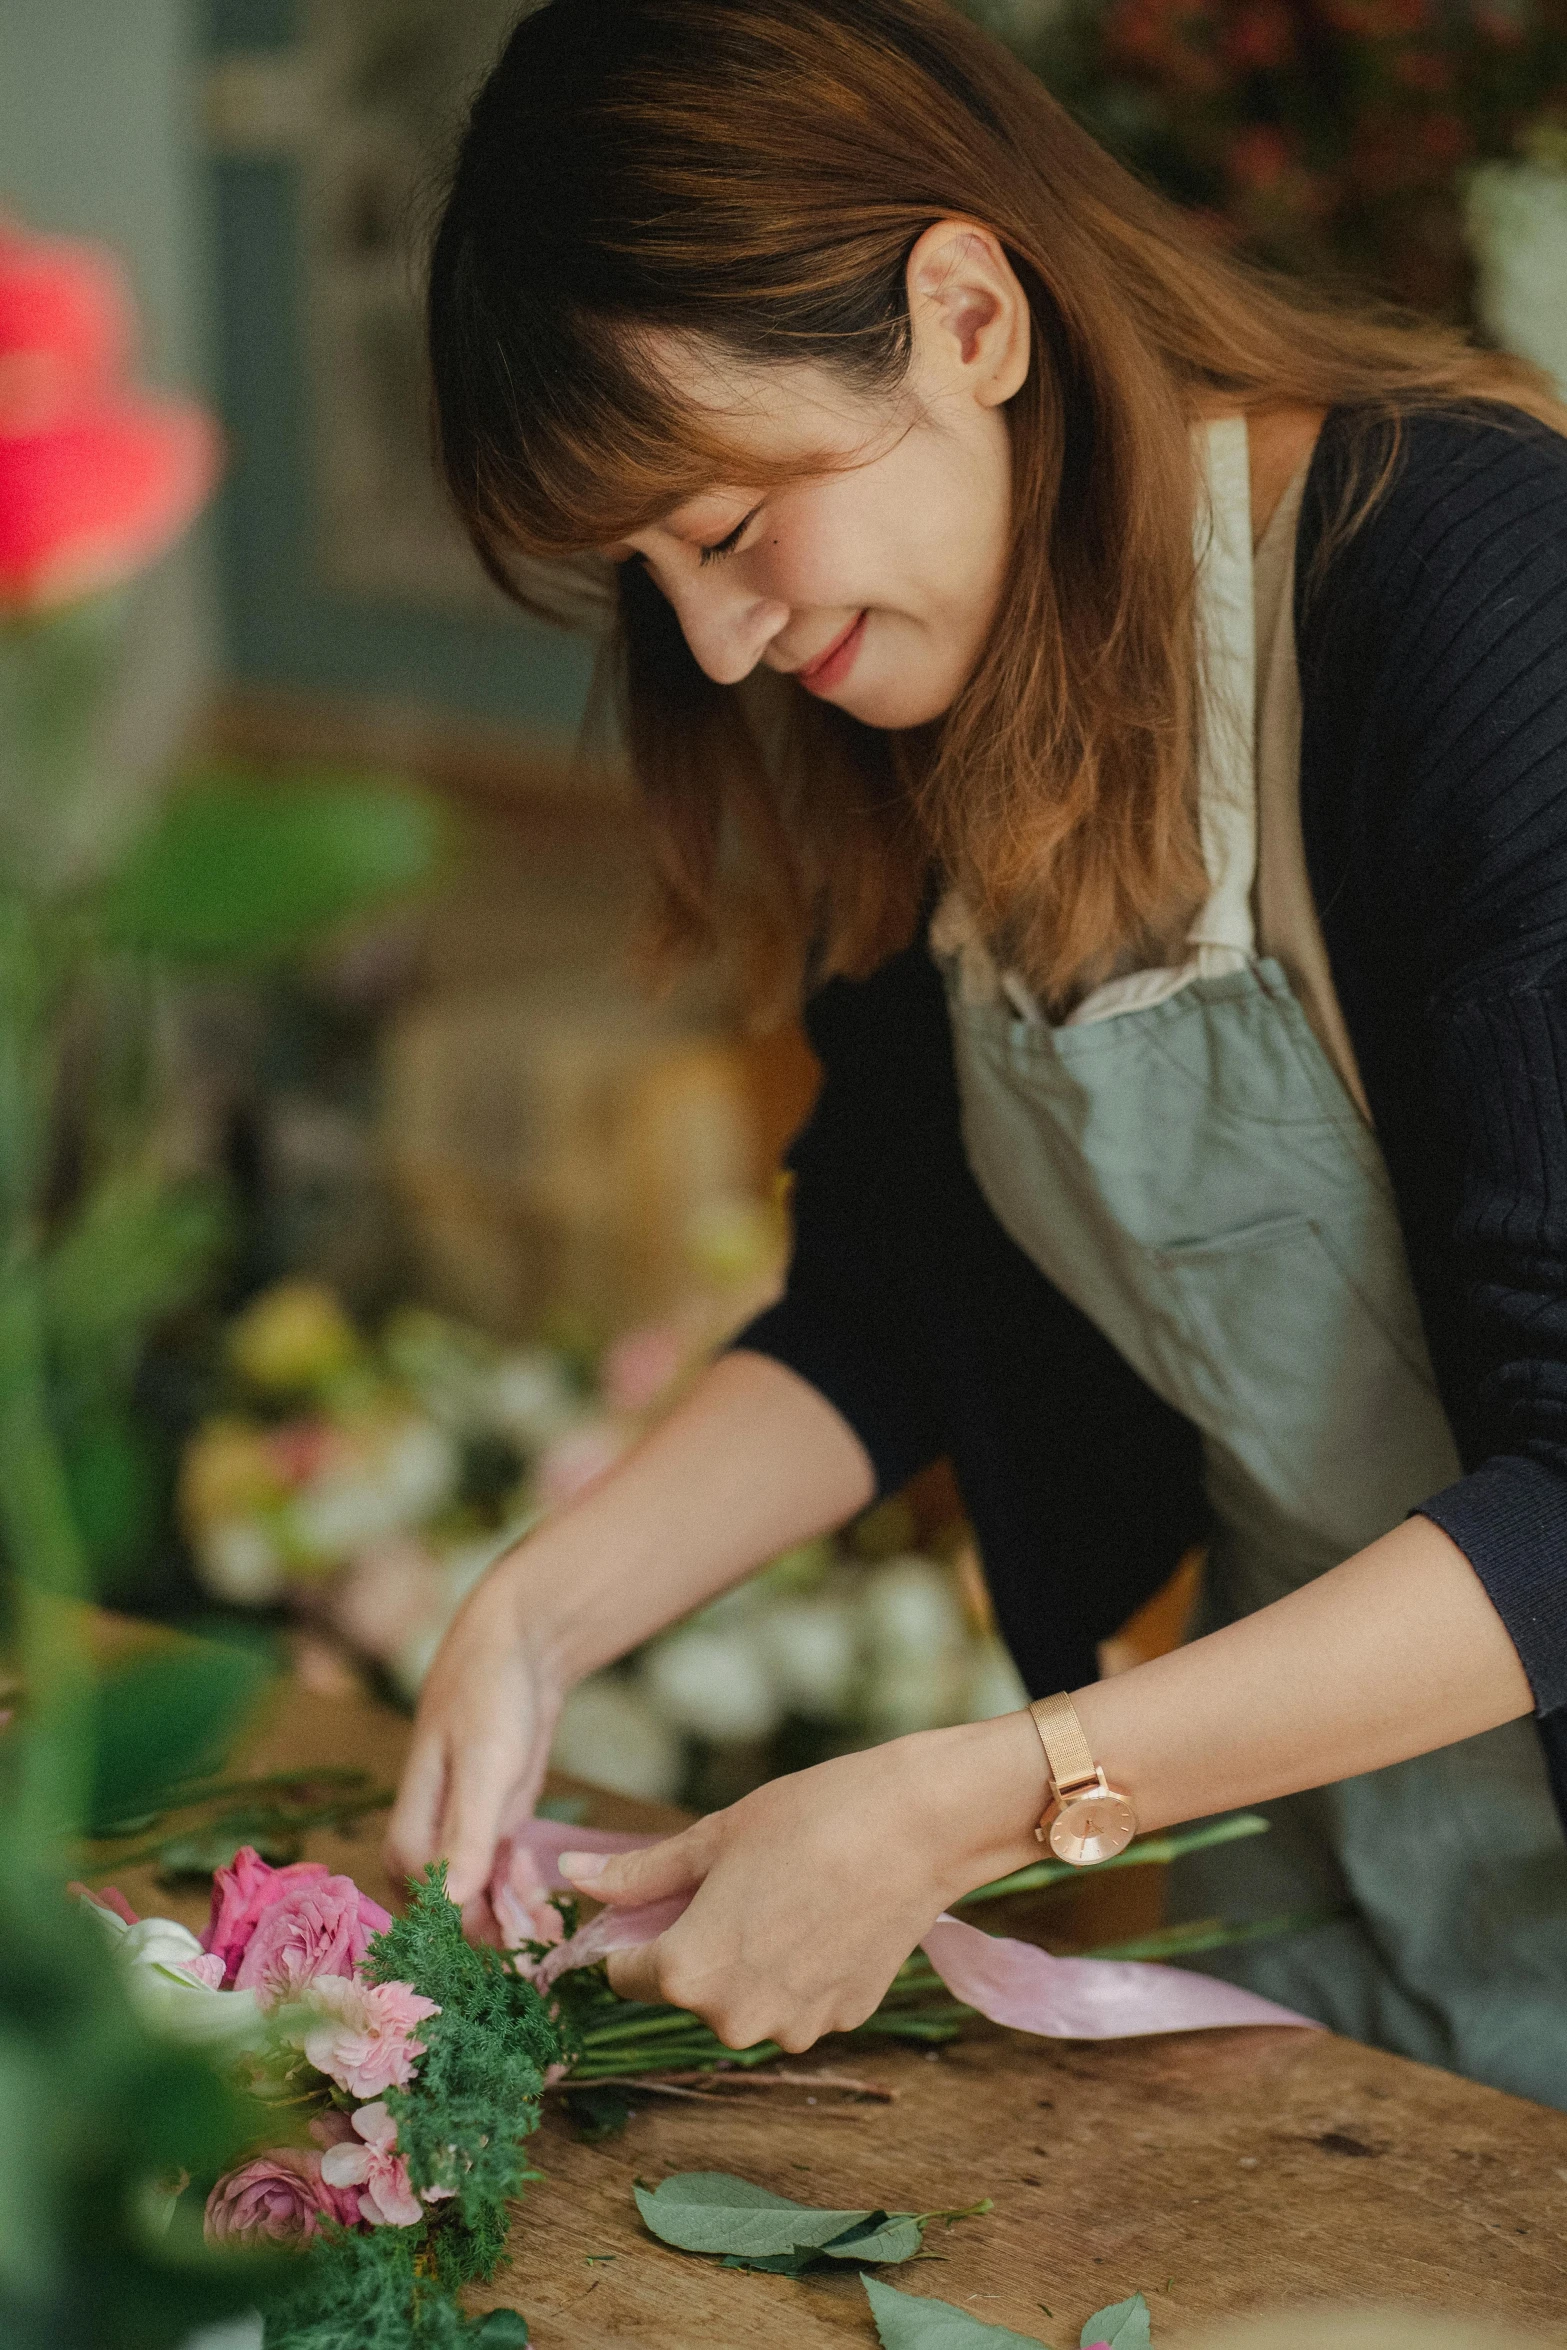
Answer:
(727, 629)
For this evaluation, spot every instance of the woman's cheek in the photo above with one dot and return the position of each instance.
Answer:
(813, 573)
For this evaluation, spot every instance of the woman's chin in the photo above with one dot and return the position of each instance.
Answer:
(894, 704)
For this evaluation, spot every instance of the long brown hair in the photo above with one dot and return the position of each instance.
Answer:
(757, 172)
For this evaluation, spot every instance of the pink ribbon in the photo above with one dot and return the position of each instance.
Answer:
(1010, 1982)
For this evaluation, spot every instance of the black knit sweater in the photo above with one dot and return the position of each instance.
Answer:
(1433, 663)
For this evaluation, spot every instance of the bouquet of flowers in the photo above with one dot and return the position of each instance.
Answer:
(396, 2071)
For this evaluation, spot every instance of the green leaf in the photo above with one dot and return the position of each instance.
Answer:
(917, 2321)
(165, 1717)
(1174, 1844)
(883, 2236)
(502, 2329)
(876, 2237)
(238, 869)
(200, 1854)
(137, 1249)
(596, 2114)
(711, 2211)
(1124, 2325)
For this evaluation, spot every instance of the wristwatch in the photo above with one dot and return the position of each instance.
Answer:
(1086, 1819)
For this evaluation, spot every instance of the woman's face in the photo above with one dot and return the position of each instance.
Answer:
(874, 582)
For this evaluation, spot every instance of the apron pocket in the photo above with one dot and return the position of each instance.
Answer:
(1302, 1381)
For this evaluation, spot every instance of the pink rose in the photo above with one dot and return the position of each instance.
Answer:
(96, 477)
(361, 2034)
(241, 1893)
(387, 2199)
(107, 1897)
(279, 2198)
(320, 1927)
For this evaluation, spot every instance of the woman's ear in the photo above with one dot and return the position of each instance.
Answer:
(968, 313)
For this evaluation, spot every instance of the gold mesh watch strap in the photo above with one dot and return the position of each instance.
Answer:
(1061, 1736)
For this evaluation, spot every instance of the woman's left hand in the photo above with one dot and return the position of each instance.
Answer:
(809, 1893)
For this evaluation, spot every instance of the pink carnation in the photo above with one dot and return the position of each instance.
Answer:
(279, 2198)
(321, 1927)
(241, 1895)
(373, 2165)
(361, 2034)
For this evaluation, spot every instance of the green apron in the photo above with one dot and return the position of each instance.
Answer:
(1182, 1159)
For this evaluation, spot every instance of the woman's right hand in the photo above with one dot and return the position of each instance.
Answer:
(751, 1460)
(480, 1744)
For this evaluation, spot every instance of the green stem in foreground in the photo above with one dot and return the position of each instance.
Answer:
(918, 2007)
(39, 1535)
(1146, 1852)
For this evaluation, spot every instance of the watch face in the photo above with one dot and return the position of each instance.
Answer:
(1092, 1827)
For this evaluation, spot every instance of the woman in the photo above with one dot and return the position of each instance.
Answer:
(985, 536)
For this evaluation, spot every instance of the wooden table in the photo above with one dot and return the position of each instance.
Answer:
(1218, 2172)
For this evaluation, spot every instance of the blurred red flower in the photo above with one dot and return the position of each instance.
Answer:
(97, 477)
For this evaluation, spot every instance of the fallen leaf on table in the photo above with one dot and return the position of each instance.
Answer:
(503, 2329)
(1124, 2326)
(917, 2321)
(711, 2211)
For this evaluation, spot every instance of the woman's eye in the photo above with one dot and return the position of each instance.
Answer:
(729, 545)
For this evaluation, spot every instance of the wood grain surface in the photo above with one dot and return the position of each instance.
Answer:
(1220, 2173)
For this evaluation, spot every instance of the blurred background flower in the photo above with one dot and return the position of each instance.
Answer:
(360, 1486)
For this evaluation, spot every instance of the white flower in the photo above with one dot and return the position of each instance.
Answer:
(408, 1478)
(916, 1693)
(995, 1685)
(610, 1734)
(1516, 218)
(238, 1561)
(714, 1683)
(532, 1397)
(911, 1612)
(164, 1970)
(812, 1650)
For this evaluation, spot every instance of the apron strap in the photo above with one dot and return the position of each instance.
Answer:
(1223, 934)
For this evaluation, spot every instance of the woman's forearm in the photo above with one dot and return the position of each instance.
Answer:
(1392, 1654)
(752, 1460)
(807, 1893)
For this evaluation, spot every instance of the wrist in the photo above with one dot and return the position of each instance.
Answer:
(983, 1787)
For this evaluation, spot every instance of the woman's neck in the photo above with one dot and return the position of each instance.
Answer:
(1280, 440)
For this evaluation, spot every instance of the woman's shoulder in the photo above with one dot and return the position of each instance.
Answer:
(1473, 494)
(1433, 666)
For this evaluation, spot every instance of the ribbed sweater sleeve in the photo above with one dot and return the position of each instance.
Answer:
(845, 1321)
(1433, 653)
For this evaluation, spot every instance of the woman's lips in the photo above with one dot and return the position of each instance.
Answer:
(832, 667)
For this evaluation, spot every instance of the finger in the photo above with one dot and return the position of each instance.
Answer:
(470, 1828)
(653, 1874)
(634, 1974)
(479, 1923)
(653, 1973)
(411, 1831)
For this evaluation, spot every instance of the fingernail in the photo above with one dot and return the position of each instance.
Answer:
(582, 1867)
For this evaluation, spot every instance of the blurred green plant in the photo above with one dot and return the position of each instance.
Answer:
(108, 889)
(98, 2121)
(98, 1245)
